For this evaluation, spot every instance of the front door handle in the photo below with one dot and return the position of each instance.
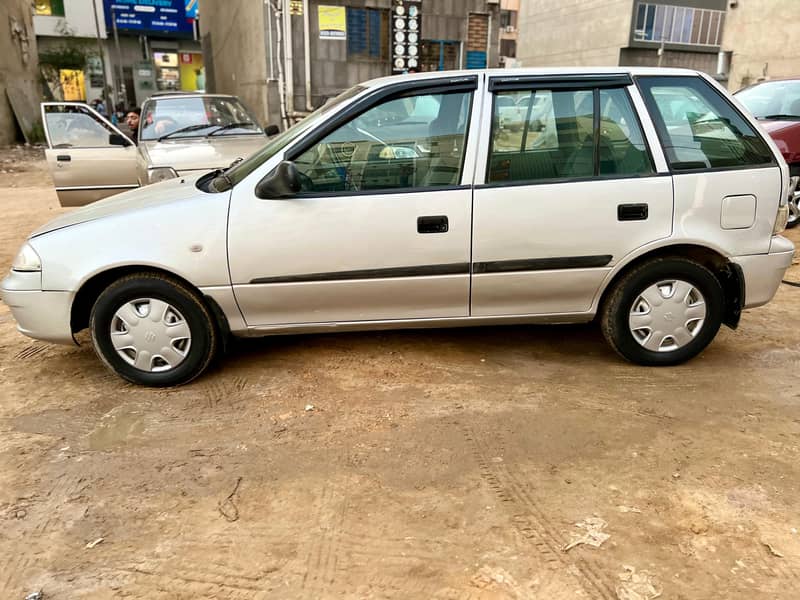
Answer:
(63, 158)
(433, 224)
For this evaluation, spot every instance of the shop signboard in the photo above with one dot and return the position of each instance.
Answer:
(332, 22)
(148, 16)
(406, 35)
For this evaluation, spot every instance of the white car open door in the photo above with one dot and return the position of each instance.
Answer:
(88, 157)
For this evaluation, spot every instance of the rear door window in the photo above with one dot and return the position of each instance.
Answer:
(698, 128)
(547, 134)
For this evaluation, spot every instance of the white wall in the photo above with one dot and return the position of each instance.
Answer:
(78, 16)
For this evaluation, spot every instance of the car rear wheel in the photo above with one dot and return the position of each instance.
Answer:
(794, 211)
(663, 312)
(152, 330)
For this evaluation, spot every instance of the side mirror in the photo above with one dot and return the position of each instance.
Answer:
(271, 130)
(282, 182)
(116, 139)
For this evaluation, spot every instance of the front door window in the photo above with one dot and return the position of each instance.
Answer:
(402, 143)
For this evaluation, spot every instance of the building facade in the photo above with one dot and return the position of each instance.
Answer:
(757, 41)
(282, 70)
(674, 33)
(509, 32)
(143, 49)
(18, 73)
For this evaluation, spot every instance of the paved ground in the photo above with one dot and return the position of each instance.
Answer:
(438, 464)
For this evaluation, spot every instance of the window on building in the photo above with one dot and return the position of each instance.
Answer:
(409, 142)
(368, 33)
(508, 18)
(49, 8)
(508, 48)
(678, 24)
(698, 128)
(550, 134)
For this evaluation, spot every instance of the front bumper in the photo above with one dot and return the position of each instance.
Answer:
(763, 272)
(41, 315)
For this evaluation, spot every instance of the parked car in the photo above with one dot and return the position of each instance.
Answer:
(179, 134)
(664, 226)
(776, 104)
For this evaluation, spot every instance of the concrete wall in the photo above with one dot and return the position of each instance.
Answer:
(761, 34)
(18, 65)
(78, 17)
(234, 49)
(573, 32)
(638, 57)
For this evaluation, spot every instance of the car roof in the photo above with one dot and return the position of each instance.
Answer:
(164, 95)
(525, 71)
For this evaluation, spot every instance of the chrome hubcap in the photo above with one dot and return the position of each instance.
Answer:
(667, 315)
(150, 335)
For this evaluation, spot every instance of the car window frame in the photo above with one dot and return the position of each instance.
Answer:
(571, 83)
(661, 129)
(96, 115)
(379, 95)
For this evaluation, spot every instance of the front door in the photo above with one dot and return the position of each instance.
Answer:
(381, 228)
(570, 188)
(88, 157)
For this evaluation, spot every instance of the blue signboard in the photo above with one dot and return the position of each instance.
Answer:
(148, 16)
(191, 8)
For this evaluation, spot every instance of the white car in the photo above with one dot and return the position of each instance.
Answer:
(403, 204)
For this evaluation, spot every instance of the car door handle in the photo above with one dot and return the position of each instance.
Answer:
(63, 158)
(433, 224)
(632, 212)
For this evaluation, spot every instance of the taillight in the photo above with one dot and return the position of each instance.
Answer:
(782, 216)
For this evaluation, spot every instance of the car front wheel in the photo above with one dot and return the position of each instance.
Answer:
(152, 330)
(663, 312)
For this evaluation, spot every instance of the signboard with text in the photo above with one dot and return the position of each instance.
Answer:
(332, 22)
(148, 16)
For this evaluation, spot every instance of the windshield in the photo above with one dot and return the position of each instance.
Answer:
(251, 163)
(196, 116)
(772, 100)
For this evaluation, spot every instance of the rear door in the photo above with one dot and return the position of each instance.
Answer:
(566, 193)
(88, 157)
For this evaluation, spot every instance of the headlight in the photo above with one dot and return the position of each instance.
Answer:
(160, 174)
(27, 260)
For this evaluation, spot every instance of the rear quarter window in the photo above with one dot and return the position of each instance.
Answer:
(698, 128)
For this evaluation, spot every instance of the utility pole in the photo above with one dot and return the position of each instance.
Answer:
(118, 69)
(106, 93)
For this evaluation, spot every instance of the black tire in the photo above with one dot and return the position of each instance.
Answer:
(620, 299)
(204, 334)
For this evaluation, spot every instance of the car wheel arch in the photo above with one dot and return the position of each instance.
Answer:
(727, 272)
(92, 287)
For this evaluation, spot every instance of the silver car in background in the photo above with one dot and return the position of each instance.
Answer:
(179, 134)
(412, 201)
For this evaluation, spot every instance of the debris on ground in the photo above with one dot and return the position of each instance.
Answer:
(594, 535)
(94, 543)
(771, 550)
(628, 509)
(309, 407)
(228, 508)
(491, 577)
(35, 596)
(639, 585)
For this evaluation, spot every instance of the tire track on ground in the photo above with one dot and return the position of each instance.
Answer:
(529, 519)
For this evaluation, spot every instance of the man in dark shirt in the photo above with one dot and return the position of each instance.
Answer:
(132, 121)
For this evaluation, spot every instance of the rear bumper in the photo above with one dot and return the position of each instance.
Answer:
(763, 272)
(40, 315)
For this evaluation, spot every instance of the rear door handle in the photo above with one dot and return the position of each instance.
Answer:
(63, 158)
(433, 224)
(632, 212)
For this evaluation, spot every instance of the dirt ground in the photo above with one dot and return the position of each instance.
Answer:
(453, 464)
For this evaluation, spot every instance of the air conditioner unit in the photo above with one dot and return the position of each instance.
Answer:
(492, 1)
(510, 29)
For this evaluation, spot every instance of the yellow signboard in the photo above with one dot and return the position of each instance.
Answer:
(73, 86)
(332, 22)
(296, 8)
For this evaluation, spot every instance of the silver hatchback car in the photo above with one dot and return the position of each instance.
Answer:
(644, 197)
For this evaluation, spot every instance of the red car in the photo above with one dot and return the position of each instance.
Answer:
(776, 104)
